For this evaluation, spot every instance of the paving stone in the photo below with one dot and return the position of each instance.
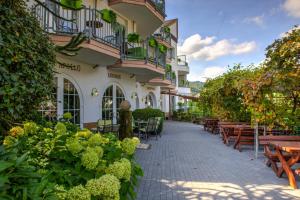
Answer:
(189, 163)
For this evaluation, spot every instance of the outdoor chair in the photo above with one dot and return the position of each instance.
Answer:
(150, 128)
(157, 126)
(104, 126)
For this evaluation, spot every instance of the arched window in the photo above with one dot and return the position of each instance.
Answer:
(150, 100)
(107, 103)
(71, 101)
(64, 98)
(111, 101)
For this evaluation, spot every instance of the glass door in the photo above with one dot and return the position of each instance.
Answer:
(111, 102)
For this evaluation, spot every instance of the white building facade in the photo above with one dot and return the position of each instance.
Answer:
(109, 68)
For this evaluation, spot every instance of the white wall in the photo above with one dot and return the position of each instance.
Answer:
(88, 78)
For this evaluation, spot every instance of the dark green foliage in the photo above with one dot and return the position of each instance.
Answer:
(72, 47)
(168, 68)
(26, 64)
(74, 4)
(162, 48)
(125, 130)
(19, 180)
(133, 37)
(109, 16)
(145, 114)
(152, 42)
(167, 29)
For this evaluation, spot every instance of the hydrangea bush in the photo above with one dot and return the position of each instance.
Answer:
(79, 164)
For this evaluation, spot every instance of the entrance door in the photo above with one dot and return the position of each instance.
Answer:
(111, 101)
(65, 98)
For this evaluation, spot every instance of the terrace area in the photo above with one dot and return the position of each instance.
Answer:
(189, 163)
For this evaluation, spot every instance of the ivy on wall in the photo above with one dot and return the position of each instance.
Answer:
(27, 58)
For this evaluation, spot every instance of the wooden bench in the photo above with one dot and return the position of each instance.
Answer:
(211, 125)
(227, 130)
(245, 136)
(269, 150)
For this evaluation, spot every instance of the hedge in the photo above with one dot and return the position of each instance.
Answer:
(146, 113)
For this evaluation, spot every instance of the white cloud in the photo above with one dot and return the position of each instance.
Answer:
(208, 72)
(258, 20)
(197, 48)
(194, 43)
(292, 7)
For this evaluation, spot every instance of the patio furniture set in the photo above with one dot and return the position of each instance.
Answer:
(141, 128)
(281, 147)
(145, 129)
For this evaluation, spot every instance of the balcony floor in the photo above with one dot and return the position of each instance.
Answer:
(188, 163)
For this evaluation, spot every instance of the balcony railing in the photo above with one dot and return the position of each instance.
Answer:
(163, 36)
(181, 60)
(159, 5)
(70, 22)
(142, 51)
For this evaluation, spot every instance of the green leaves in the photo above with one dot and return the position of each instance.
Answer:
(26, 64)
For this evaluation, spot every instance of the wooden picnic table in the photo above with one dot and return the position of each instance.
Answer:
(292, 148)
(227, 130)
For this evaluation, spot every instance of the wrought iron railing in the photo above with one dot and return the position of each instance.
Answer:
(70, 22)
(181, 60)
(163, 35)
(142, 51)
(160, 6)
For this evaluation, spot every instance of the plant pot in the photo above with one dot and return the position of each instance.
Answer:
(75, 4)
(108, 16)
(152, 42)
(162, 49)
(133, 37)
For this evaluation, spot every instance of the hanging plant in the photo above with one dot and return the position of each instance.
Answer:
(167, 29)
(173, 75)
(133, 37)
(71, 4)
(168, 68)
(162, 48)
(152, 42)
(109, 16)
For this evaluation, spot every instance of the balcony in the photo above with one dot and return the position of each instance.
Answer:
(183, 66)
(103, 44)
(148, 15)
(141, 60)
(172, 83)
(163, 82)
(163, 37)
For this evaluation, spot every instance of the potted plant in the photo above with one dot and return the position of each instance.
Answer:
(74, 4)
(152, 42)
(109, 16)
(133, 37)
(167, 29)
(162, 48)
(173, 75)
(168, 68)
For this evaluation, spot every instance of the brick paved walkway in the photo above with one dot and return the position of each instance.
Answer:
(188, 163)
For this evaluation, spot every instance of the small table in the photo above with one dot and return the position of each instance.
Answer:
(286, 163)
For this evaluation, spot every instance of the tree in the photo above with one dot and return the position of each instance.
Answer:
(274, 94)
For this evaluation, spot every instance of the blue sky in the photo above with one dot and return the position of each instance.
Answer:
(218, 33)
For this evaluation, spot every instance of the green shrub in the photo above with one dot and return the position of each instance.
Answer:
(73, 160)
(27, 60)
(146, 113)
